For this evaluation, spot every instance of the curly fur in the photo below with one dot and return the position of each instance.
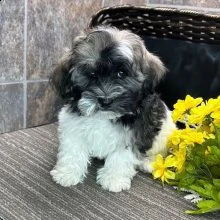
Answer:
(107, 80)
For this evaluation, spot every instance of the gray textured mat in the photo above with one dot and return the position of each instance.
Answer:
(27, 191)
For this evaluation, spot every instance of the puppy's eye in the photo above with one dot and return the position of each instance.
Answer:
(121, 74)
(92, 74)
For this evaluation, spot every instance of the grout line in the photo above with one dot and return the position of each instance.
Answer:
(37, 80)
(21, 82)
(11, 82)
(103, 3)
(25, 67)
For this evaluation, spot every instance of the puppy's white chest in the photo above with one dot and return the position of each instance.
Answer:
(99, 136)
(103, 136)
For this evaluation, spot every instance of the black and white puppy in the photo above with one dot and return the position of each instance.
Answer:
(112, 112)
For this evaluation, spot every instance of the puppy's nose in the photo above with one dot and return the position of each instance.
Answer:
(104, 102)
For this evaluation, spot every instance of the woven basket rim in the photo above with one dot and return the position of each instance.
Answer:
(153, 8)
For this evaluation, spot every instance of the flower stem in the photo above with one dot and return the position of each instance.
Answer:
(216, 133)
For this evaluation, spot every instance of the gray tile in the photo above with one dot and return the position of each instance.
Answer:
(194, 3)
(170, 2)
(209, 3)
(190, 2)
(134, 2)
(11, 40)
(155, 1)
(42, 104)
(51, 27)
(11, 107)
(110, 3)
(202, 3)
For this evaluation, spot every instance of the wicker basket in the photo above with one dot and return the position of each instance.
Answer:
(162, 22)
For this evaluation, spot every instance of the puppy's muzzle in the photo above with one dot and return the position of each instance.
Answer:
(105, 102)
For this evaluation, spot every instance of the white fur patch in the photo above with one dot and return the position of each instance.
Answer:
(87, 106)
(126, 51)
(84, 137)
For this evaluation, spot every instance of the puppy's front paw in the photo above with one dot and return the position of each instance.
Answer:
(114, 183)
(147, 165)
(66, 176)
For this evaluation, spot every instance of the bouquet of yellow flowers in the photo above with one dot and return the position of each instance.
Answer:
(193, 161)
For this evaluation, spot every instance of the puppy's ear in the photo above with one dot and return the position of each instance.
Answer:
(148, 85)
(61, 78)
(152, 67)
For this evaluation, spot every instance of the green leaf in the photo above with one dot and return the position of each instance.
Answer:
(198, 161)
(213, 159)
(215, 150)
(197, 153)
(190, 168)
(204, 183)
(217, 134)
(207, 193)
(186, 180)
(215, 171)
(216, 182)
(210, 142)
(205, 206)
(218, 197)
(215, 195)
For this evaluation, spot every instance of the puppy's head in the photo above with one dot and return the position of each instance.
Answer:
(105, 72)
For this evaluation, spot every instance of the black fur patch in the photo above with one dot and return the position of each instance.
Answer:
(111, 62)
(127, 120)
(148, 122)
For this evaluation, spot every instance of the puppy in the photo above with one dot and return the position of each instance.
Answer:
(107, 80)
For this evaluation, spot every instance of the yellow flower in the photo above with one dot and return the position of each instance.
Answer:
(174, 139)
(216, 117)
(199, 114)
(187, 136)
(183, 106)
(160, 168)
(180, 157)
(177, 115)
(213, 105)
(192, 136)
(208, 150)
(201, 119)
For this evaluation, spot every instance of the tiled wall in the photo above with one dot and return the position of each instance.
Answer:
(33, 34)
(194, 3)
